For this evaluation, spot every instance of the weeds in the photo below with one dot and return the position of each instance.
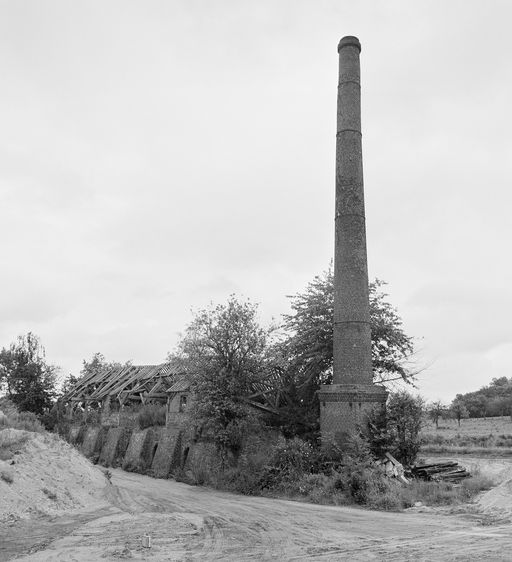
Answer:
(26, 421)
(443, 493)
(151, 415)
(296, 470)
(11, 441)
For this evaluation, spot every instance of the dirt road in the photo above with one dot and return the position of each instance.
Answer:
(191, 523)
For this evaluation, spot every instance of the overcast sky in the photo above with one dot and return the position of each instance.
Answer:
(159, 155)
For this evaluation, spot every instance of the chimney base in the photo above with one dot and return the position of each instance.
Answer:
(344, 409)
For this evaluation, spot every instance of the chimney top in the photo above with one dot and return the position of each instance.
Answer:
(349, 40)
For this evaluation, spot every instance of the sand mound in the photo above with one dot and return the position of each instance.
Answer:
(41, 474)
(499, 499)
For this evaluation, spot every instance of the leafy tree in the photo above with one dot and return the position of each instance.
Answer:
(68, 383)
(459, 410)
(476, 403)
(494, 399)
(28, 380)
(224, 350)
(305, 355)
(436, 410)
(98, 364)
(404, 418)
(310, 343)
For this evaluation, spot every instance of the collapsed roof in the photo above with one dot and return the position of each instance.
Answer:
(130, 382)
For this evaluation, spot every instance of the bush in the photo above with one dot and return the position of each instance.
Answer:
(296, 470)
(151, 415)
(291, 457)
(397, 429)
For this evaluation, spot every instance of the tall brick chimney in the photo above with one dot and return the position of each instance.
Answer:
(345, 404)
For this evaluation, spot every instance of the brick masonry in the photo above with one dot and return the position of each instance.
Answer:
(344, 409)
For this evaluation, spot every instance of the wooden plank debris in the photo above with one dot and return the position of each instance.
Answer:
(392, 468)
(449, 471)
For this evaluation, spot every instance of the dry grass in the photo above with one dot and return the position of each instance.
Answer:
(428, 493)
(472, 427)
(444, 493)
(18, 420)
(11, 441)
(477, 436)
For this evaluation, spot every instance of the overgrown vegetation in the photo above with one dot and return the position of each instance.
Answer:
(305, 355)
(14, 419)
(224, 348)
(151, 415)
(294, 469)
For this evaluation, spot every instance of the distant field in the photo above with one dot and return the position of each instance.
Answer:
(471, 427)
(481, 436)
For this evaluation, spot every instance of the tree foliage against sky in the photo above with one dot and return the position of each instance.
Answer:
(25, 376)
(458, 410)
(436, 410)
(310, 327)
(305, 354)
(224, 350)
(97, 364)
(494, 399)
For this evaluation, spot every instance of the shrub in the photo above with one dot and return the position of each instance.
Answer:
(404, 419)
(293, 456)
(297, 470)
(327, 458)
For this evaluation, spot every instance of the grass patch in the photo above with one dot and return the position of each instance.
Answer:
(151, 415)
(26, 421)
(11, 442)
(482, 437)
(444, 493)
(461, 450)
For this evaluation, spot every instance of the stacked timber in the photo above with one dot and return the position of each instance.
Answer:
(449, 471)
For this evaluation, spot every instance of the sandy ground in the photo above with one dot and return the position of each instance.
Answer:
(41, 474)
(191, 523)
